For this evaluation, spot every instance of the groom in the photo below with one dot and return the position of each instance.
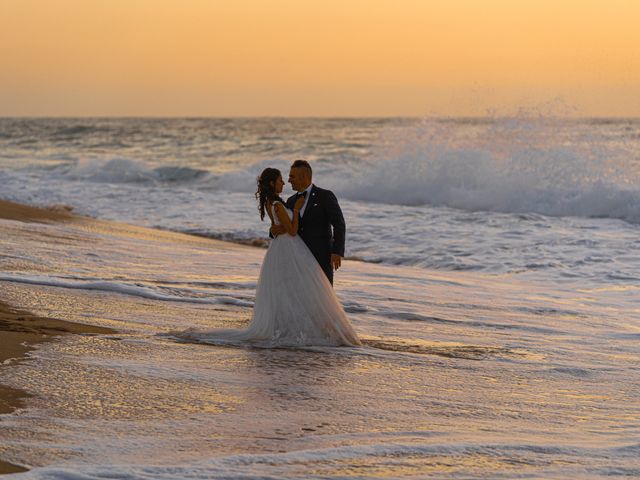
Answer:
(321, 224)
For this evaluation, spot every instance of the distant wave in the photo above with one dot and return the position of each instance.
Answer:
(548, 182)
(125, 170)
(554, 184)
(526, 168)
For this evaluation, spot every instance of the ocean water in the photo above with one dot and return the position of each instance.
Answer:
(493, 276)
(528, 196)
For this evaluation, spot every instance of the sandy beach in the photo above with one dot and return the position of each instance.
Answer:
(494, 376)
(20, 330)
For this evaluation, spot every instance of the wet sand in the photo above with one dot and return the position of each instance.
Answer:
(20, 331)
(24, 213)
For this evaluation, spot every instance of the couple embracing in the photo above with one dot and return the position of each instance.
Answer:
(295, 303)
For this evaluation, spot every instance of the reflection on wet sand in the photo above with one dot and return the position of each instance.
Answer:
(522, 382)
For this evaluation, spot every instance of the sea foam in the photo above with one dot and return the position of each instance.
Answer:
(122, 288)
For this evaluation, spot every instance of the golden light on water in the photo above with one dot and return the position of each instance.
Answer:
(352, 57)
(462, 373)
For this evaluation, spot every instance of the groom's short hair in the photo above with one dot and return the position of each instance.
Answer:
(303, 164)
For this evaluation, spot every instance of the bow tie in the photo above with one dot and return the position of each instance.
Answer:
(301, 194)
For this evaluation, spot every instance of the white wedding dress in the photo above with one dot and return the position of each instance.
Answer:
(295, 303)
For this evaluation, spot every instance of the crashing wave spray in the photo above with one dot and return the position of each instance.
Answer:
(511, 165)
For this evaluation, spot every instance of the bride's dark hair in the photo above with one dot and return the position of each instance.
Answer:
(266, 188)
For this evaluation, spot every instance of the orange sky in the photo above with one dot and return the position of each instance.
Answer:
(318, 58)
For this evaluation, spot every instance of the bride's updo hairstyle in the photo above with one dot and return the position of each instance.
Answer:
(266, 188)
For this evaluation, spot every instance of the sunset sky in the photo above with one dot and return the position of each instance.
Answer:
(318, 58)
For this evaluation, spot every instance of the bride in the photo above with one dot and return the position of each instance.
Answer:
(295, 303)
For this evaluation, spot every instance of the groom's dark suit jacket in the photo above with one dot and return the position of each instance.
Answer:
(322, 227)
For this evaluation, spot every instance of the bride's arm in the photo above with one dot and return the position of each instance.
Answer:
(291, 226)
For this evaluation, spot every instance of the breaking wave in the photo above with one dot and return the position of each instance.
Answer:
(554, 183)
(125, 170)
(508, 166)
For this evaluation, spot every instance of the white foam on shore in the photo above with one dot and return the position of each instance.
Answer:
(121, 288)
(388, 458)
(538, 358)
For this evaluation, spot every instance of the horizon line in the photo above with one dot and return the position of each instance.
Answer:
(323, 117)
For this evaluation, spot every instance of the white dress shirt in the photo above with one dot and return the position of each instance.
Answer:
(306, 200)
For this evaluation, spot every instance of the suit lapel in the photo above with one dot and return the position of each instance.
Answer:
(312, 200)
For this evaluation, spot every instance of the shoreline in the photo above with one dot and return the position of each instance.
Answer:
(21, 331)
(25, 213)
